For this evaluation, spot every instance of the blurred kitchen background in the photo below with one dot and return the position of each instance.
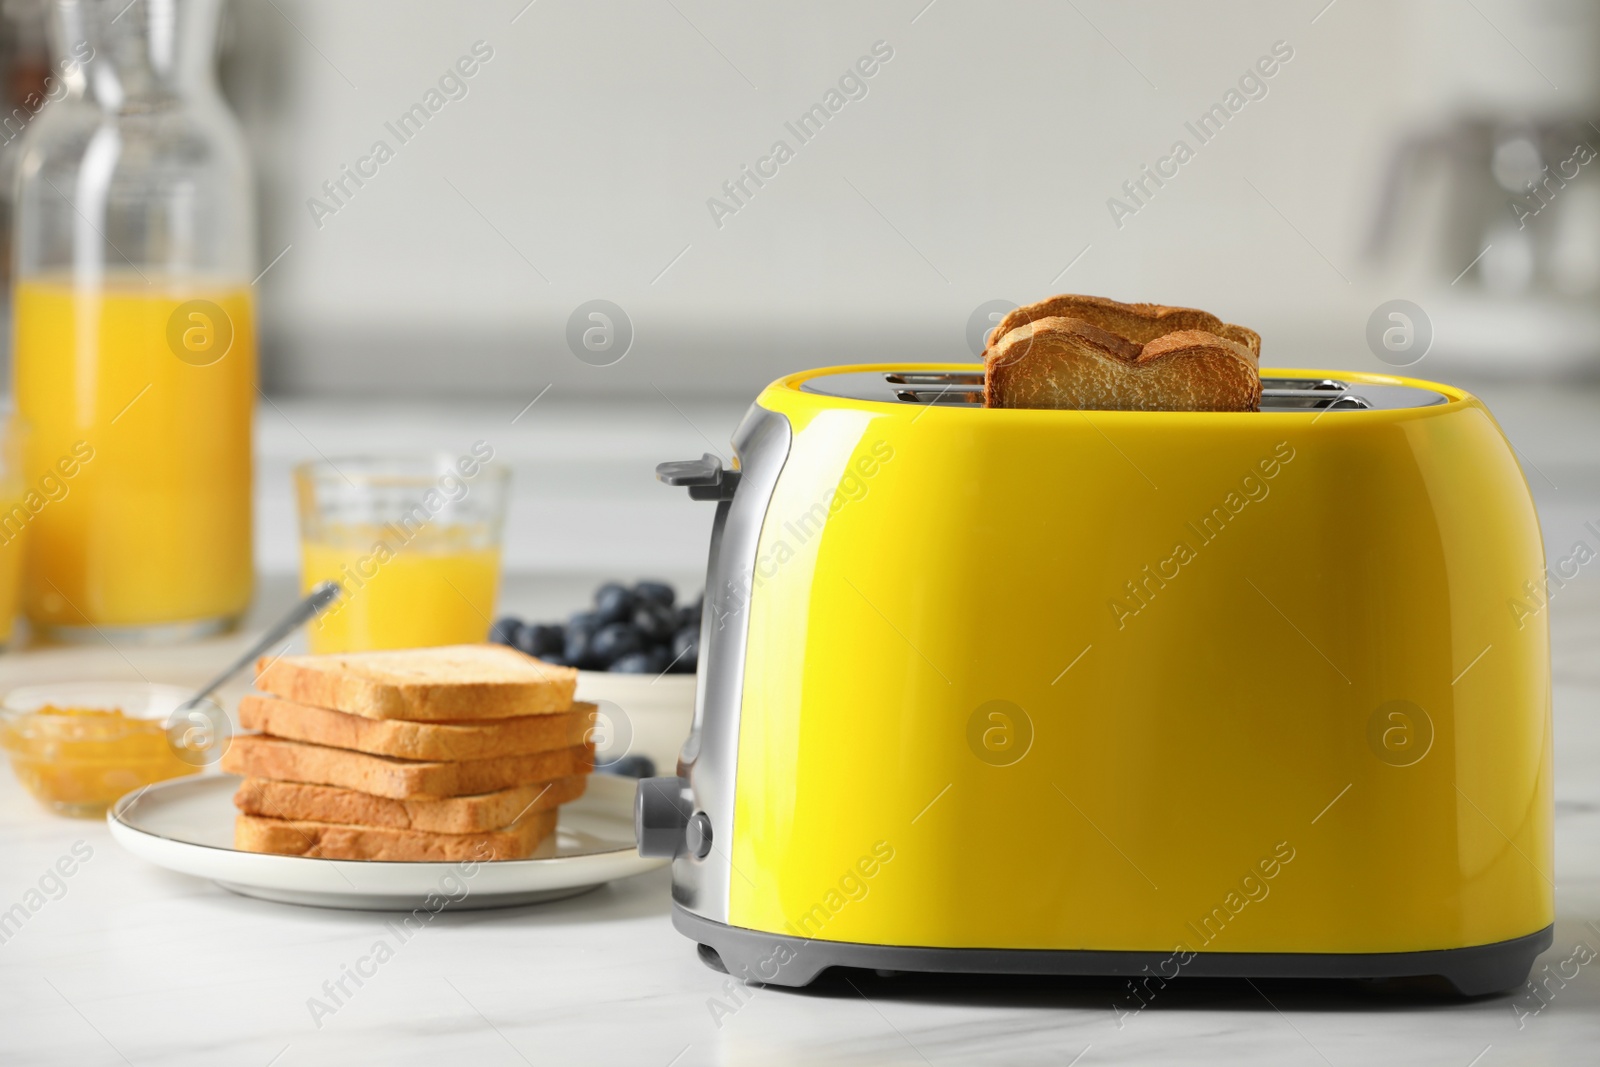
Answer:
(1435, 151)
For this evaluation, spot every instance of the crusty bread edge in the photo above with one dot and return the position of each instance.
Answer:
(288, 678)
(1000, 363)
(275, 799)
(1089, 308)
(405, 739)
(284, 759)
(524, 837)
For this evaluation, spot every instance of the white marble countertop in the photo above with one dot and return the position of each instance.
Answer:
(129, 964)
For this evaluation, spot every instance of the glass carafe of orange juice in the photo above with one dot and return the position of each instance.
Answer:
(134, 348)
(13, 522)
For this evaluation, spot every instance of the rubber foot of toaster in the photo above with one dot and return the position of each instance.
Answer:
(772, 959)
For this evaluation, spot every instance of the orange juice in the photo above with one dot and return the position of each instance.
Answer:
(150, 387)
(436, 587)
(11, 549)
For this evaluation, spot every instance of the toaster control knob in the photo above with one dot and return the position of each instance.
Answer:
(697, 835)
(661, 809)
(706, 478)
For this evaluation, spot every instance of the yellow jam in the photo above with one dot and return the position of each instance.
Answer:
(79, 760)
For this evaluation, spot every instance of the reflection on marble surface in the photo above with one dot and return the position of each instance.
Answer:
(124, 963)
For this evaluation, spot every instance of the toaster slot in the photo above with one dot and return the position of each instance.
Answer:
(1309, 394)
(940, 396)
(1271, 399)
(932, 386)
(1290, 400)
(959, 378)
(1302, 385)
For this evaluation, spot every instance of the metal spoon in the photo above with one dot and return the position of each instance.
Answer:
(308, 608)
(198, 730)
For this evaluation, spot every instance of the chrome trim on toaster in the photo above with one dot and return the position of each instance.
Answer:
(709, 758)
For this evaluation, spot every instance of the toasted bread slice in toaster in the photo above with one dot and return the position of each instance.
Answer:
(1057, 362)
(1139, 323)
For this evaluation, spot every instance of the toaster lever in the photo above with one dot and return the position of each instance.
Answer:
(662, 808)
(706, 478)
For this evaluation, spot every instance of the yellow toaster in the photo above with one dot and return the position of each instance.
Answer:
(1120, 693)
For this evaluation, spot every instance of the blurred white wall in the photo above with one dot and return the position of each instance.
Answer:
(977, 166)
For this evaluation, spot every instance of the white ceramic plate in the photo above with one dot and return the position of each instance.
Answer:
(186, 824)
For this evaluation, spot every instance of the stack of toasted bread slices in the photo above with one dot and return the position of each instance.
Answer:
(449, 754)
(1088, 352)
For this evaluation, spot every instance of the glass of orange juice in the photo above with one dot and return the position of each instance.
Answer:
(415, 544)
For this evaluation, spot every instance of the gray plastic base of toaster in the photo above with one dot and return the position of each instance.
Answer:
(770, 959)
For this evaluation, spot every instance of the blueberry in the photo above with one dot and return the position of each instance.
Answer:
(586, 621)
(684, 652)
(613, 641)
(689, 614)
(522, 640)
(655, 622)
(654, 593)
(544, 639)
(576, 648)
(505, 630)
(613, 603)
(635, 663)
(630, 767)
(556, 660)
